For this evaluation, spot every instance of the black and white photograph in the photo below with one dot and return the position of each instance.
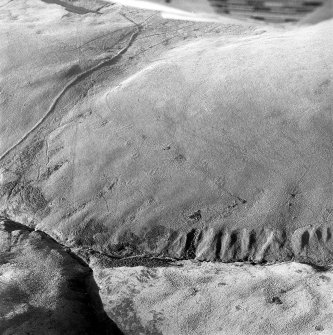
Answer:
(166, 167)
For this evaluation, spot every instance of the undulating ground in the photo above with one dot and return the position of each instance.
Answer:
(152, 151)
(46, 289)
(216, 298)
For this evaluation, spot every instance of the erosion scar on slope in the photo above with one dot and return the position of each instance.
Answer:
(71, 83)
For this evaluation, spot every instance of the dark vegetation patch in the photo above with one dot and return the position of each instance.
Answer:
(154, 235)
(8, 188)
(196, 216)
(236, 203)
(276, 300)
(180, 158)
(129, 245)
(70, 7)
(126, 313)
(317, 267)
(29, 153)
(33, 198)
(147, 261)
(51, 170)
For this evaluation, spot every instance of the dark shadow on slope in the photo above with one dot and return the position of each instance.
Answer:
(71, 8)
(103, 324)
(76, 308)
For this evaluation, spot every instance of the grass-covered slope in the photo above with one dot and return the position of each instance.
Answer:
(172, 138)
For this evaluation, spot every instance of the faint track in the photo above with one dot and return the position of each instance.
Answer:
(4, 5)
(73, 82)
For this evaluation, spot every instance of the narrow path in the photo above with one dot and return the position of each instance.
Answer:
(73, 82)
